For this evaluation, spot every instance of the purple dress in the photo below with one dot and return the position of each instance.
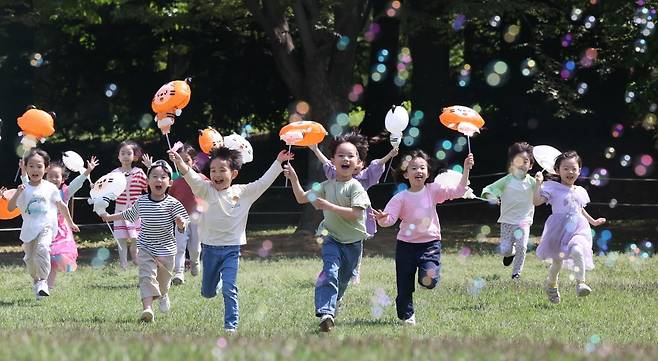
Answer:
(368, 177)
(566, 226)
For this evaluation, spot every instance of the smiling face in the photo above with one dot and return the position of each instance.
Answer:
(55, 175)
(126, 156)
(569, 171)
(521, 164)
(221, 174)
(36, 168)
(346, 160)
(159, 180)
(417, 173)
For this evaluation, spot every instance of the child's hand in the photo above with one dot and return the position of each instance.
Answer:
(147, 160)
(289, 172)
(320, 204)
(20, 188)
(105, 217)
(379, 214)
(2, 192)
(394, 152)
(284, 155)
(173, 156)
(539, 177)
(180, 222)
(91, 164)
(598, 222)
(469, 162)
(75, 228)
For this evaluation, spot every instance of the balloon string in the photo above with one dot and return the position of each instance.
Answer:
(388, 170)
(19, 168)
(468, 139)
(169, 144)
(112, 233)
(289, 147)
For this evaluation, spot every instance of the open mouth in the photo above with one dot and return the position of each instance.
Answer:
(419, 177)
(345, 166)
(158, 188)
(218, 181)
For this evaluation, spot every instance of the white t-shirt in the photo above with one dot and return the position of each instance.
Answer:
(38, 207)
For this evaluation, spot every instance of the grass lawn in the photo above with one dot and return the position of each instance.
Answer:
(477, 313)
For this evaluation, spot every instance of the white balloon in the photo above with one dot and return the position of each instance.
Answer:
(451, 178)
(237, 142)
(395, 139)
(545, 156)
(110, 186)
(73, 161)
(397, 119)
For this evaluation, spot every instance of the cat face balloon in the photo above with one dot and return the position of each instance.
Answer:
(105, 189)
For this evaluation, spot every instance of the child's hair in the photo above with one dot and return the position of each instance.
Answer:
(187, 149)
(354, 137)
(231, 156)
(162, 165)
(566, 155)
(36, 151)
(406, 159)
(60, 164)
(137, 150)
(518, 148)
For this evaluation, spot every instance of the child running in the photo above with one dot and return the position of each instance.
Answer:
(419, 239)
(514, 192)
(567, 235)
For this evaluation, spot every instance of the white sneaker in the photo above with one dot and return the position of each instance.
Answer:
(42, 288)
(411, 321)
(583, 290)
(230, 330)
(165, 305)
(147, 315)
(178, 279)
(326, 323)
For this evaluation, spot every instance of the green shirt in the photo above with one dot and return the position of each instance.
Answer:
(345, 194)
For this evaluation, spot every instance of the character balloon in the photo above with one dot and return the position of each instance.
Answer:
(107, 188)
(209, 138)
(302, 133)
(396, 121)
(462, 119)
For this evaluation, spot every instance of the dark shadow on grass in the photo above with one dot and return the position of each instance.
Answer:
(124, 286)
(23, 302)
(476, 307)
(368, 322)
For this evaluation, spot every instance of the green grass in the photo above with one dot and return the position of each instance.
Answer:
(92, 314)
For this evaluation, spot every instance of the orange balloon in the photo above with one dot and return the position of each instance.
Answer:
(309, 133)
(4, 205)
(452, 116)
(37, 123)
(172, 96)
(209, 138)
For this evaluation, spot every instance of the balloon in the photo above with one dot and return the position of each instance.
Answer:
(4, 205)
(396, 120)
(451, 178)
(169, 101)
(209, 138)
(237, 142)
(107, 188)
(462, 119)
(395, 139)
(36, 125)
(73, 161)
(545, 156)
(302, 133)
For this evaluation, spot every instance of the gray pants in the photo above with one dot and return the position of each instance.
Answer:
(37, 254)
(514, 242)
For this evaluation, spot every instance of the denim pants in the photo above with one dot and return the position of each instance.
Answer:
(338, 263)
(220, 263)
(409, 257)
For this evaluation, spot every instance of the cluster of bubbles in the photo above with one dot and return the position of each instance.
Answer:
(644, 18)
(36, 60)
(355, 93)
(343, 42)
(643, 165)
(219, 348)
(566, 40)
(413, 132)
(111, 90)
(603, 240)
(649, 121)
(446, 147)
(380, 300)
(589, 22)
(640, 46)
(613, 203)
(403, 67)
(593, 343)
(582, 88)
(629, 96)
(483, 233)
(609, 152)
(298, 111)
(568, 69)
(393, 9)
(379, 70)
(102, 256)
(625, 160)
(372, 32)
(342, 120)
(617, 130)
(496, 73)
(576, 14)
(600, 177)
(464, 76)
(588, 57)
(494, 21)
(528, 67)
(265, 248)
(512, 33)
(643, 251)
(476, 286)
(459, 22)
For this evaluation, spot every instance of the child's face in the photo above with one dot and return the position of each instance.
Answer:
(126, 156)
(221, 174)
(187, 159)
(521, 164)
(569, 171)
(417, 172)
(159, 181)
(358, 169)
(345, 159)
(36, 168)
(55, 175)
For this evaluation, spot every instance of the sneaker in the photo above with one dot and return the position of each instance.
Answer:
(165, 305)
(147, 315)
(194, 269)
(326, 323)
(508, 260)
(356, 279)
(411, 321)
(553, 294)
(231, 331)
(42, 288)
(583, 290)
(178, 279)
(516, 277)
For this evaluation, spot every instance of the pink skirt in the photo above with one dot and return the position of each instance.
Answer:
(126, 229)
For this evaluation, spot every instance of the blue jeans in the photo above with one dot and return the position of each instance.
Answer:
(338, 263)
(220, 263)
(409, 258)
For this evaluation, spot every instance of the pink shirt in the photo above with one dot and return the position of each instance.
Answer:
(417, 210)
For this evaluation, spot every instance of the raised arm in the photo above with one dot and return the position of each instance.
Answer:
(318, 153)
(537, 199)
(390, 155)
(297, 190)
(469, 162)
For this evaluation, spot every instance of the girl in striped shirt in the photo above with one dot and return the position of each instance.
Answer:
(127, 231)
(159, 213)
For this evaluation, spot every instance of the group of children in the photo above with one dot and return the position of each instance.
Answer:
(207, 215)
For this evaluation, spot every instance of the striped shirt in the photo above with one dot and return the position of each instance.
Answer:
(158, 223)
(135, 185)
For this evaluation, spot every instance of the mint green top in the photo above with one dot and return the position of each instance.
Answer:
(515, 198)
(345, 194)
